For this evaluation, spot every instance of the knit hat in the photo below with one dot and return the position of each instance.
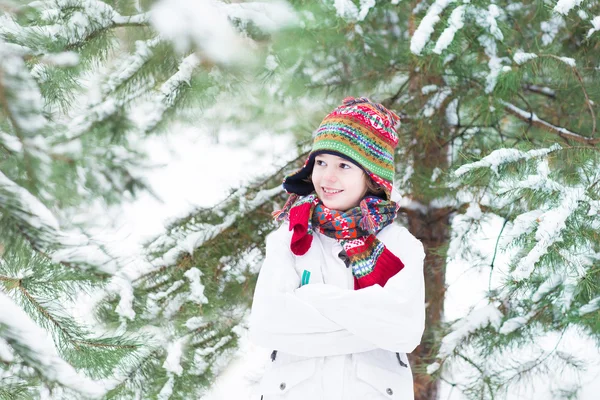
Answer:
(360, 131)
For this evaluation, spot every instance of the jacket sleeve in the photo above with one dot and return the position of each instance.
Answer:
(392, 317)
(280, 320)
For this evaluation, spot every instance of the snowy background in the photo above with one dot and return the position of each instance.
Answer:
(196, 167)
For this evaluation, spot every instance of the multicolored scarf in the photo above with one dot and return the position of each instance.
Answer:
(355, 229)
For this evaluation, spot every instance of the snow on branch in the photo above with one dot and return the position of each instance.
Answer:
(34, 345)
(187, 239)
(28, 212)
(21, 96)
(426, 27)
(455, 23)
(207, 25)
(170, 90)
(564, 6)
(131, 64)
(74, 21)
(477, 319)
(534, 120)
(590, 307)
(595, 26)
(504, 156)
(41, 228)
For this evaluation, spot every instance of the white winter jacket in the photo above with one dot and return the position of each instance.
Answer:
(332, 342)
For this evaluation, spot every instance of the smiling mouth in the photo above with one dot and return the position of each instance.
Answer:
(331, 191)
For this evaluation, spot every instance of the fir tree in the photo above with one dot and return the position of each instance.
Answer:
(73, 76)
(470, 78)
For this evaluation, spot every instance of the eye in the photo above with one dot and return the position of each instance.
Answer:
(342, 165)
(318, 161)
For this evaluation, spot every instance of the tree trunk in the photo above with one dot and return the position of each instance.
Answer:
(432, 228)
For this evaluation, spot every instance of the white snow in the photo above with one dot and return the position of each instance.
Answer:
(432, 368)
(520, 57)
(267, 15)
(174, 351)
(596, 26)
(567, 60)
(564, 6)
(455, 23)
(429, 89)
(590, 307)
(36, 346)
(198, 23)
(196, 287)
(513, 324)
(549, 284)
(33, 213)
(551, 28)
(477, 319)
(549, 230)
(503, 156)
(346, 9)
(427, 25)
(6, 352)
(167, 390)
(436, 101)
(64, 59)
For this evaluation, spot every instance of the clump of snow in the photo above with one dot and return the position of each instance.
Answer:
(207, 25)
(31, 212)
(426, 27)
(125, 290)
(596, 26)
(477, 319)
(347, 9)
(269, 16)
(195, 323)
(167, 390)
(432, 368)
(590, 307)
(564, 6)
(521, 57)
(513, 324)
(64, 59)
(173, 360)
(6, 352)
(455, 24)
(503, 156)
(489, 20)
(35, 346)
(201, 24)
(567, 60)
(436, 101)
(429, 89)
(549, 284)
(271, 62)
(196, 287)
(549, 231)
(551, 28)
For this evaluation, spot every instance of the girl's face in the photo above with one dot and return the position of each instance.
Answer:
(346, 181)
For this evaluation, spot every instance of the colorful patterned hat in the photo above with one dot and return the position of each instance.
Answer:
(360, 131)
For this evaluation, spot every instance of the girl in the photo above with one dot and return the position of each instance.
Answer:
(340, 295)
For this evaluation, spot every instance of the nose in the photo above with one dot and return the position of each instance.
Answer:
(329, 175)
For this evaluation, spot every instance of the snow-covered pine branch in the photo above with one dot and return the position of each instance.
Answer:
(31, 344)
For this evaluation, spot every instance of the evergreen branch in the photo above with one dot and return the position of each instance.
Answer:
(31, 343)
(545, 91)
(588, 102)
(482, 372)
(496, 253)
(534, 120)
